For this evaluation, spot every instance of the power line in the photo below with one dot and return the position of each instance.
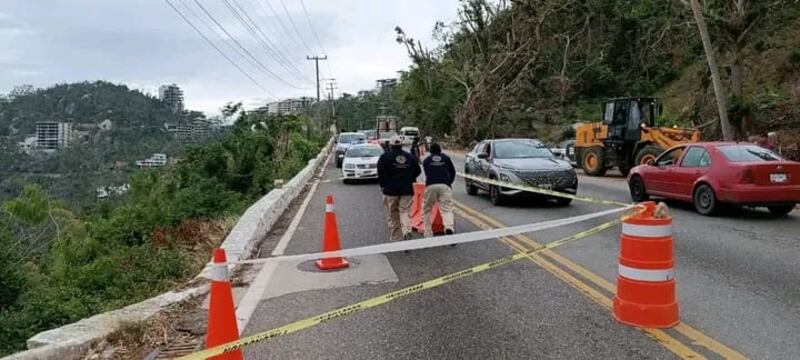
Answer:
(291, 20)
(311, 25)
(316, 37)
(281, 23)
(260, 65)
(220, 51)
(255, 30)
(216, 32)
(271, 20)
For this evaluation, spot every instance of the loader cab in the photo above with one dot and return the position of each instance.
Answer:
(625, 118)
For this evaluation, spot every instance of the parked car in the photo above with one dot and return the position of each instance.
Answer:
(344, 142)
(519, 161)
(710, 174)
(361, 162)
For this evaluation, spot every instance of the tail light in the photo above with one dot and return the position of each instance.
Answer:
(746, 176)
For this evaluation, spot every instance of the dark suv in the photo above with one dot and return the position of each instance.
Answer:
(519, 161)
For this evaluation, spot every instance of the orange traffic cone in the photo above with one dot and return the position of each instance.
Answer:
(646, 278)
(222, 326)
(330, 240)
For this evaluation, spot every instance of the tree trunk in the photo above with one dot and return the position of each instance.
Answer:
(719, 91)
(737, 89)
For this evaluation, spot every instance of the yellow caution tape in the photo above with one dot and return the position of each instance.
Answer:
(539, 190)
(382, 299)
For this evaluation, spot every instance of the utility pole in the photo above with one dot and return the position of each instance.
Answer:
(331, 95)
(316, 59)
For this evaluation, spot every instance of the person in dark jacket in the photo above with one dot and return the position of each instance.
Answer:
(397, 172)
(439, 176)
(415, 148)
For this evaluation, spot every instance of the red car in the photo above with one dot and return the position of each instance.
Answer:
(711, 173)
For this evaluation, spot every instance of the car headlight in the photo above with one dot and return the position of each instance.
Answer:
(349, 166)
(508, 176)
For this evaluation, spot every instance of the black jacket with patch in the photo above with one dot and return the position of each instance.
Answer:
(439, 169)
(397, 172)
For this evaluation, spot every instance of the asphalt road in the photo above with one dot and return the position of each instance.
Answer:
(737, 282)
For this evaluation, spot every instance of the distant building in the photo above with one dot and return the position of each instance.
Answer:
(172, 96)
(22, 90)
(382, 84)
(154, 161)
(190, 130)
(53, 135)
(287, 106)
(28, 145)
(105, 191)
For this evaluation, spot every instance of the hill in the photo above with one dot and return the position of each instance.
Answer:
(531, 68)
(113, 126)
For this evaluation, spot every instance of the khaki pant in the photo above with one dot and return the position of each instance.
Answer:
(398, 215)
(444, 195)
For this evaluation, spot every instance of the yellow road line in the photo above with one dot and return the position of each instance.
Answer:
(660, 336)
(696, 336)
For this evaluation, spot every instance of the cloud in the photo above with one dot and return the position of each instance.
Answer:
(145, 44)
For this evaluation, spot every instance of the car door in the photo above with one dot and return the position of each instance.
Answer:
(695, 163)
(471, 162)
(658, 180)
(485, 160)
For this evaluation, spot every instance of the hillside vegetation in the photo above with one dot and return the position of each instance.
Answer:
(137, 131)
(58, 266)
(532, 67)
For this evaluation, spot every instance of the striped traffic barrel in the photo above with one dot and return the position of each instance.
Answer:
(646, 275)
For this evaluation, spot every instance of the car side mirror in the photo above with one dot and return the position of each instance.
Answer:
(483, 156)
(651, 162)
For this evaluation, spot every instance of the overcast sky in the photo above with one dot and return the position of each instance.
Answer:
(144, 43)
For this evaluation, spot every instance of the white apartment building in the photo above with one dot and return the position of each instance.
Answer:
(154, 161)
(53, 135)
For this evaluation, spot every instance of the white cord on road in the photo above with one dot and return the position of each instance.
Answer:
(425, 243)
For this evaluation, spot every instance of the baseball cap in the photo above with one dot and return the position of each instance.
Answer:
(395, 140)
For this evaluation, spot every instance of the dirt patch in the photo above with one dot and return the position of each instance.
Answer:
(137, 340)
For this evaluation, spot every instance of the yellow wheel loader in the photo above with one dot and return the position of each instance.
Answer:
(626, 136)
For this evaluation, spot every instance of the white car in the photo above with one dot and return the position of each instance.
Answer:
(344, 142)
(361, 162)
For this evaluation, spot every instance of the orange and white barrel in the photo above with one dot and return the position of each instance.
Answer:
(646, 275)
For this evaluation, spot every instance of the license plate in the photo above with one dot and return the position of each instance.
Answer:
(546, 186)
(777, 178)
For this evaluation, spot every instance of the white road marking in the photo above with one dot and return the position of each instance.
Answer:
(251, 299)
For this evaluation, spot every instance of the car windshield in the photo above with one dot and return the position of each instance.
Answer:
(349, 138)
(364, 151)
(387, 134)
(748, 153)
(520, 149)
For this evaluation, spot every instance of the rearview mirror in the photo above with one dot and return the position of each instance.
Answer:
(483, 156)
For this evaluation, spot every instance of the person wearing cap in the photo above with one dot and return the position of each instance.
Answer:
(397, 172)
(439, 176)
